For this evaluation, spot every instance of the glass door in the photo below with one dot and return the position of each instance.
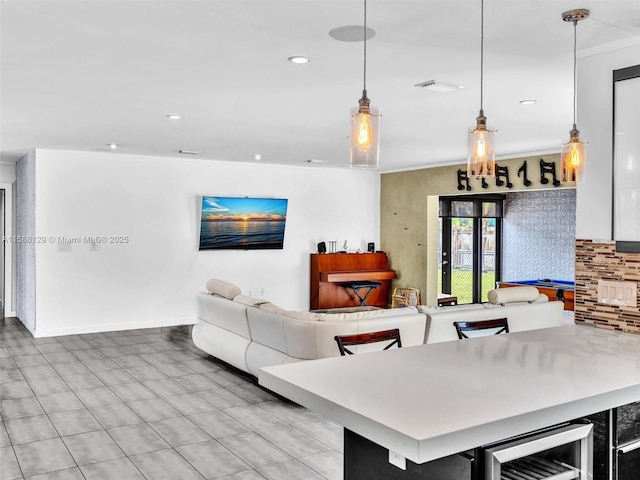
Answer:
(470, 238)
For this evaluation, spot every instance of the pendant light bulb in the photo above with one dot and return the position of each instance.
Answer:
(365, 137)
(364, 144)
(481, 158)
(574, 153)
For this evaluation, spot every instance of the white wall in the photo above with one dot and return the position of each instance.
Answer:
(7, 183)
(152, 280)
(595, 122)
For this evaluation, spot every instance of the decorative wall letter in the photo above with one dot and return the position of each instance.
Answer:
(462, 177)
(548, 167)
(502, 172)
(523, 169)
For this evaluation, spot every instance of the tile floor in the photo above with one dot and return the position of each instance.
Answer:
(147, 404)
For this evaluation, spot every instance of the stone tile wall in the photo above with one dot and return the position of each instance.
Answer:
(596, 261)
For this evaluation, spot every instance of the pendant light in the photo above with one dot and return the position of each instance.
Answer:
(364, 145)
(481, 159)
(574, 152)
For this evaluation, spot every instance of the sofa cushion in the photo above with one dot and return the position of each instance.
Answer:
(513, 294)
(250, 301)
(361, 315)
(457, 308)
(302, 315)
(223, 289)
(272, 307)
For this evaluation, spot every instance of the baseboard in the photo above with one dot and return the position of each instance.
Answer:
(113, 327)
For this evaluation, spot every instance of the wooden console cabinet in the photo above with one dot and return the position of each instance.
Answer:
(331, 273)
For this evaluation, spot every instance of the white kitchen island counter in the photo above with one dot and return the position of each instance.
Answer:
(430, 401)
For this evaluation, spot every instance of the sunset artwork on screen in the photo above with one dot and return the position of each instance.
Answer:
(241, 223)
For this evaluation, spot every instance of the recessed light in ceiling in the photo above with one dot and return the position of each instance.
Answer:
(112, 146)
(437, 86)
(528, 102)
(299, 59)
(313, 160)
(174, 117)
(189, 152)
(257, 156)
(351, 33)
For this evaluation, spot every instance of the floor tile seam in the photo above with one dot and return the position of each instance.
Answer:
(296, 459)
(206, 441)
(15, 455)
(63, 443)
(124, 454)
(187, 419)
(291, 457)
(310, 466)
(328, 447)
(170, 448)
(249, 426)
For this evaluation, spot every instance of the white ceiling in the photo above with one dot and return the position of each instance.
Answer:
(79, 74)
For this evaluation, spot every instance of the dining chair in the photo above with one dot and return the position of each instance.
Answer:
(392, 336)
(480, 328)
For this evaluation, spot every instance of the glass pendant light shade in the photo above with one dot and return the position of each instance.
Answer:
(481, 160)
(574, 152)
(364, 139)
(364, 147)
(481, 151)
(574, 156)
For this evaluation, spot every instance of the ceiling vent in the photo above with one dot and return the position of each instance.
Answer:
(436, 86)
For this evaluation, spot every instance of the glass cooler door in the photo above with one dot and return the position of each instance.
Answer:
(563, 453)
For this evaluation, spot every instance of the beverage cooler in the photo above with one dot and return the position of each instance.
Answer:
(562, 453)
(626, 450)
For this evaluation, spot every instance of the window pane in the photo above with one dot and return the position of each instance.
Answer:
(462, 259)
(461, 209)
(489, 209)
(488, 257)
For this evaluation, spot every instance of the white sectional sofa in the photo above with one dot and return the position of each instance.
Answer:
(250, 334)
(523, 307)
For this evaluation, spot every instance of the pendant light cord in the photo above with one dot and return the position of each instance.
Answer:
(365, 45)
(481, 50)
(575, 70)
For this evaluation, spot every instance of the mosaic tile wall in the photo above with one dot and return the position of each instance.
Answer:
(595, 261)
(539, 235)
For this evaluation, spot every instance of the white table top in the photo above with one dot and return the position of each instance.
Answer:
(429, 401)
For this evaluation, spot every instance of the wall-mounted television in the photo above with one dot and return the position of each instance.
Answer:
(242, 223)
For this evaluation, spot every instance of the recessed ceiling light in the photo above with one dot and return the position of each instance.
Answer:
(313, 160)
(189, 152)
(112, 146)
(174, 117)
(257, 156)
(528, 102)
(299, 59)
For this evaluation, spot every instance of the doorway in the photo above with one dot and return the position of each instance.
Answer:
(2, 250)
(469, 244)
